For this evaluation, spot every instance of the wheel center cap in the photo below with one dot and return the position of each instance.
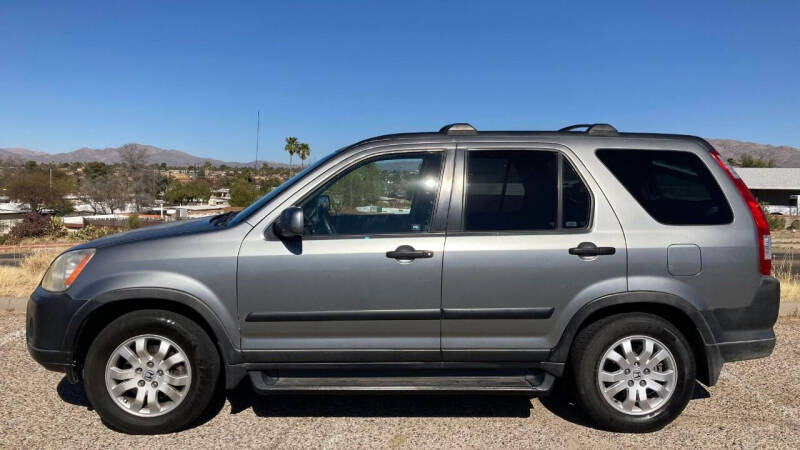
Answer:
(149, 375)
(637, 374)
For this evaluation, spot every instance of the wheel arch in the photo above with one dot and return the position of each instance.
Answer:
(99, 312)
(670, 307)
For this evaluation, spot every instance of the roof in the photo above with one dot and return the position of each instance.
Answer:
(770, 178)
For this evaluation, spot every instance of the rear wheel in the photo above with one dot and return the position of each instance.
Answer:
(151, 371)
(632, 372)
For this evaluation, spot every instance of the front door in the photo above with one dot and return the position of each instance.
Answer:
(510, 280)
(364, 282)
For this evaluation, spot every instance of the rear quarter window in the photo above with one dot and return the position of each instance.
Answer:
(674, 187)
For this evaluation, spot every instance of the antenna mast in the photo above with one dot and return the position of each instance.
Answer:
(258, 132)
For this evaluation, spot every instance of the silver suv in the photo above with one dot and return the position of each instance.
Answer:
(629, 264)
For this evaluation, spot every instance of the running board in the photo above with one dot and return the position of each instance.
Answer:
(538, 383)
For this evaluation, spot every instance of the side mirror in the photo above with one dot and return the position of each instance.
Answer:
(290, 223)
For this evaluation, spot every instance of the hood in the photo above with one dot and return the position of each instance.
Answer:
(167, 230)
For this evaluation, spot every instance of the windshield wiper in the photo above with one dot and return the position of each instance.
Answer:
(221, 219)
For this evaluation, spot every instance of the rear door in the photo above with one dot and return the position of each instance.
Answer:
(530, 239)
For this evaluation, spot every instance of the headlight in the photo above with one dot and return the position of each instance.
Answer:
(65, 269)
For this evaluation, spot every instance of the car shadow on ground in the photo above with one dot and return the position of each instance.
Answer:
(74, 394)
(560, 402)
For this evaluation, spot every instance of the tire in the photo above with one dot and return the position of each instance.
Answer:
(195, 379)
(591, 357)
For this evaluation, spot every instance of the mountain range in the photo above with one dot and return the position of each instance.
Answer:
(111, 155)
(783, 156)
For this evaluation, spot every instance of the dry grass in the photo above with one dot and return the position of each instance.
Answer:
(790, 282)
(20, 281)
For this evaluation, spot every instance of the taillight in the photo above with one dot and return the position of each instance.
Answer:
(762, 227)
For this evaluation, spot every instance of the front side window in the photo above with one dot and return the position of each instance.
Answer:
(385, 195)
(519, 190)
(674, 187)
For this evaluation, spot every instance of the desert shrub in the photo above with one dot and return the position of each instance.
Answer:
(31, 225)
(795, 225)
(91, 232)
(55, 229)
(134, 222)
(775, 222)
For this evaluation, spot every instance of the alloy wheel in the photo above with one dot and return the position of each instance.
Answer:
(148, 375)
(637, 375)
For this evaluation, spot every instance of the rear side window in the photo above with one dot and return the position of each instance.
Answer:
(519, 190)
(674, 187)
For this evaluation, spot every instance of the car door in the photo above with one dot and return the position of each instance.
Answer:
(530, 240)
(364, 282)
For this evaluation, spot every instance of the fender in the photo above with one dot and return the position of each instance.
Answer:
(230, 354)
(561, 350)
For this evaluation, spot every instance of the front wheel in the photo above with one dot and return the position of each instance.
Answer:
(151, 371)
(632, 372)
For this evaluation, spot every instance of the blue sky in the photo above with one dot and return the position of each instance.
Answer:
(191, 75)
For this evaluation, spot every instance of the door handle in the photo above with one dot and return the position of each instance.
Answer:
(590, 249)
(407, 252)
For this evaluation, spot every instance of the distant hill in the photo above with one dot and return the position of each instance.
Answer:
(111, 155)
(784, 156)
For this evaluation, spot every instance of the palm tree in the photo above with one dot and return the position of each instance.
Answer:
(303, 151)
(291, 148)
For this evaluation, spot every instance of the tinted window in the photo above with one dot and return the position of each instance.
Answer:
(674, 187)
(387, 195)
(511, 190)
(577, 203)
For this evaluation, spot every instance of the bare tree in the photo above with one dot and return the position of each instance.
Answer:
(138, 174)
(106, 193)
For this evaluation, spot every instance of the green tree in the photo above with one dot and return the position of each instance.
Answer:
(96, 169)
(40, 190)
(291, 147)
(197, 190)
(242, 193)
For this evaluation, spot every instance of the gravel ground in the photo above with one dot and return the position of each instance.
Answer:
(755, 404)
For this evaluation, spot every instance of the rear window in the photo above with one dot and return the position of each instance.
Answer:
(674, 187)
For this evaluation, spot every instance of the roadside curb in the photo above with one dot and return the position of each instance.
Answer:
(17, 304)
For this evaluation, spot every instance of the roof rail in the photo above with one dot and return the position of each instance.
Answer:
(594, 129)
(458, 129)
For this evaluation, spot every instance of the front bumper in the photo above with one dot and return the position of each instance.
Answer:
(745, 332)
(47, 319)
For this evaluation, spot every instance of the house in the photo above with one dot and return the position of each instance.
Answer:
(220, 197)
(778, 187)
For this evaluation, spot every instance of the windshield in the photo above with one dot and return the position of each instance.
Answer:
(258, 204)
